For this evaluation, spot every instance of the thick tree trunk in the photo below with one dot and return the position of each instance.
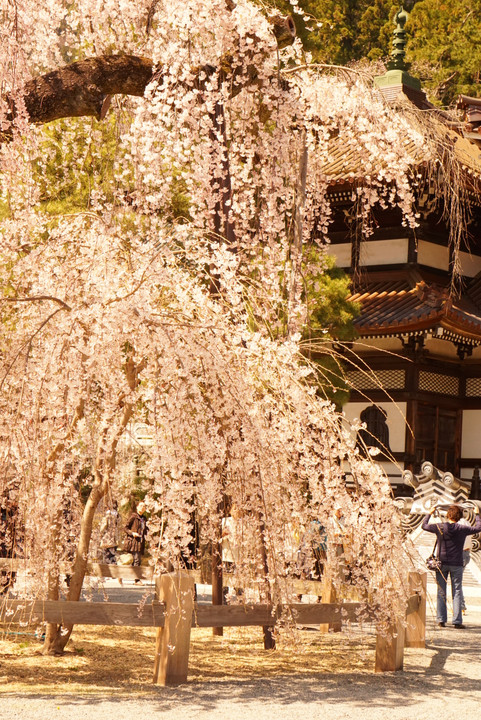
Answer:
(223, 225)
(217, 579)
(51, 629)
(268, 631)
(84, 88)
(81, 88)
(57, 636)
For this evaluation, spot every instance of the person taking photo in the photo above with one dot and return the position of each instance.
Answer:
(450, 543)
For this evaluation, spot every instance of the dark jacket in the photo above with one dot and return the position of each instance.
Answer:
(8, 529)
(135, 524)
(451, 537)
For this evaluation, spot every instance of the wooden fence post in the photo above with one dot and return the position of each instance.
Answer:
(329, 595)
(171, 662)
(416, 621)
(390, 648)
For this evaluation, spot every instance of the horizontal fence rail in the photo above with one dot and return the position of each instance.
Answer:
(152, 614)
(174, 613)
(149, 572)
(94, 569)
(82, 613)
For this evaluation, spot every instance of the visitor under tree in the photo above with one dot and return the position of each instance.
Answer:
(450, 538)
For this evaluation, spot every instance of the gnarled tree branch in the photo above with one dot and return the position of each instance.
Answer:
(80, 89)
(84, 88)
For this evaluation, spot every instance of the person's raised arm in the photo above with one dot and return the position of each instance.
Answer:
(426, 525)
(477, 524)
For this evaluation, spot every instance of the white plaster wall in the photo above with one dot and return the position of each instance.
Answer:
(471, 436)
(470, 264)
(392, 344)
(341, 253)
(432, 255)
(384, 252)
(395, 420)
(476, 356)
(441, 348)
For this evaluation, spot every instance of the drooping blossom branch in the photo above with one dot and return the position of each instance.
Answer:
(227, 402)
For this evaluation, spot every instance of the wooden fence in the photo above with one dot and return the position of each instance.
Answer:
(174, 613)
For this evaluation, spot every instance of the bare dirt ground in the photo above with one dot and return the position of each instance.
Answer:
(107, 674)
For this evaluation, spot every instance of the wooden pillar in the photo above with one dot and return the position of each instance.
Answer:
(416, 621)
(329, 595)
(171, 661)
(390, 648)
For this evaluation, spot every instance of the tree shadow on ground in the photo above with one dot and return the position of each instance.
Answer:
(247, 674)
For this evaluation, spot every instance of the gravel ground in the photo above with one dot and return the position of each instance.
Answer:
(442, 681)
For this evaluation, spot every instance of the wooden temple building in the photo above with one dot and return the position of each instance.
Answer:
(415, 368)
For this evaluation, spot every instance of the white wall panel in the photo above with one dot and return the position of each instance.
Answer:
(471, 437)
(384, 252)
(432, 255)
(341, 253)
(470, 264)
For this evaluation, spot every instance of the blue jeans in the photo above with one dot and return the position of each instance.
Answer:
(456, 574)
(466, 559)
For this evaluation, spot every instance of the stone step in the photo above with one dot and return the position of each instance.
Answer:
(472, 572)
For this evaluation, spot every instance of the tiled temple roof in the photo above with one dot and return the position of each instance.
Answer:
(471, 108)
(395, 305)
(411, 305)
(347, 163)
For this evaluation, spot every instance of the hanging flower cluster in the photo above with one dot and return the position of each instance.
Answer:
(249, 144)
(186, 320)
(103, 333)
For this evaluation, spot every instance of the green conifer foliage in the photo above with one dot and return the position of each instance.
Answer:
(444, 38)
(445, 47)
(342, 31)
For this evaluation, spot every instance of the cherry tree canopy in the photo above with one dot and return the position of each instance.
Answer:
(175, 296)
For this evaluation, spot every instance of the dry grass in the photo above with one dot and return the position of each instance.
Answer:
(120, 660)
